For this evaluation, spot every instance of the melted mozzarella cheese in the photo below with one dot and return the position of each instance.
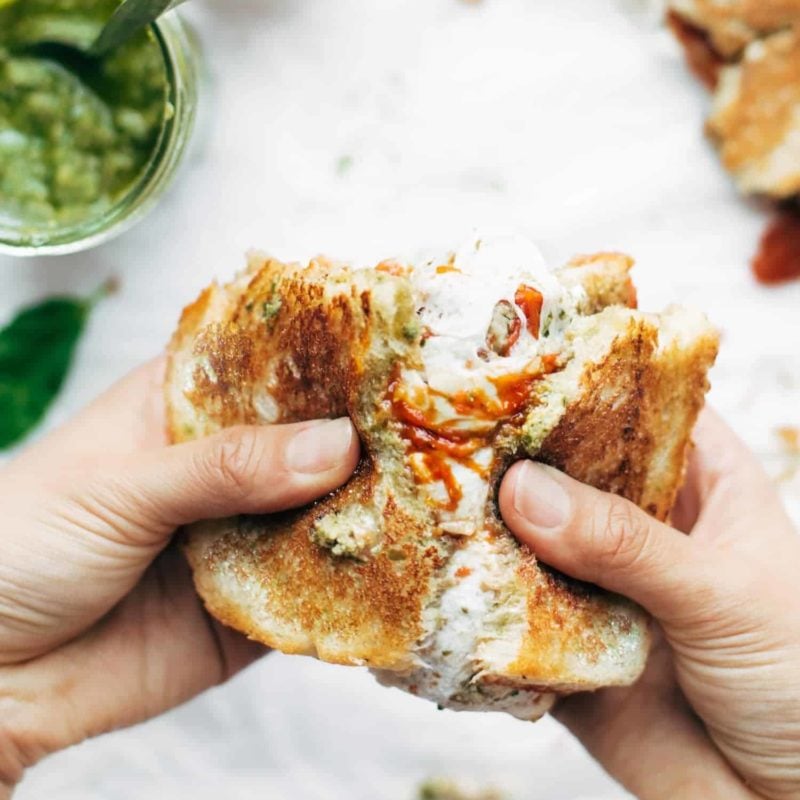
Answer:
(456, 299)
(454, 394)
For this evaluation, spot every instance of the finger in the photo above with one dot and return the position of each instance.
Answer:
(727, 494)
(604, 539)
(128, 417)
(242, 470)
(719, 454)
(721, 457)
(718, 459)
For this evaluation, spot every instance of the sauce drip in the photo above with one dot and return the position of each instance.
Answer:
(704, 61)
(437, 442)
(427, 440)
(436, 468)
(514, 391)
(778, 257)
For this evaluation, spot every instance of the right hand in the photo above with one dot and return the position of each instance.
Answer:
(717, 713)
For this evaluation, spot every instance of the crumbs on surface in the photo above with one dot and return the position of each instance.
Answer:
(446, 789)
(789, 437)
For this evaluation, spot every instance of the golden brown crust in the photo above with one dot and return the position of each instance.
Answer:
(288, 345)
(338, 609)
(628, 433)
(284, 343)
(604, 439)
(278, 331)
(604, 277)
(756, 118)
(758, 113)
(735, 23)
(566, 621)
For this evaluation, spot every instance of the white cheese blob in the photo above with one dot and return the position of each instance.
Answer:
(457, 296)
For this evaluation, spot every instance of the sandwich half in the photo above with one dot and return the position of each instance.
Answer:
(451, 370)
(748, 52)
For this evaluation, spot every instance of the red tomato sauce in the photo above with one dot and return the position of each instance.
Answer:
(440, 470)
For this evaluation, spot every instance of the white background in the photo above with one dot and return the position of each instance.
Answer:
(573, 121)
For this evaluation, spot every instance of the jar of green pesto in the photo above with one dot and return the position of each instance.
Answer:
(87, 152)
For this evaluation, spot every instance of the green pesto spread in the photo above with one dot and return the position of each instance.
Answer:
(73, 141)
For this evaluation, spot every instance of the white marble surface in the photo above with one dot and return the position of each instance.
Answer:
(573, 121)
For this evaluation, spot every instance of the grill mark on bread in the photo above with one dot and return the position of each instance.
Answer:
(603, 442)
(223, 373)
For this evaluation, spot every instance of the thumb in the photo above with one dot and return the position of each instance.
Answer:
(241, 470)
(606, 540)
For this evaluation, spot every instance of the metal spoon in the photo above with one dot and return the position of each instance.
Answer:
(130, 18)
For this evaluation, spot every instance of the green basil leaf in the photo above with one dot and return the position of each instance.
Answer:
(36, 350)
(128, 20)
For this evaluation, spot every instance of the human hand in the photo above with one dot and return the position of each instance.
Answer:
(100, 626)
(717, 712)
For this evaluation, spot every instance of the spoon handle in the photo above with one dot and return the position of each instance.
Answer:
(130, 17)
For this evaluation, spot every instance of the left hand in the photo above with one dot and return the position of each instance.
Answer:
(100, 626)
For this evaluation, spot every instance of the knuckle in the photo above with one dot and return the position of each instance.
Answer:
(233, 461)
(620, 538)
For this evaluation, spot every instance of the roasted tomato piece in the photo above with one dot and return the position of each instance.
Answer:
(504, 329)
(778, 258)
(530, 300)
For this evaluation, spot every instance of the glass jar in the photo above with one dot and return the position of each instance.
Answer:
(181, 59)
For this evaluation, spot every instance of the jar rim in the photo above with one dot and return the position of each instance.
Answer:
(143, 193)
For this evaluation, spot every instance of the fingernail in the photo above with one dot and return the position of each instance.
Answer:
(319, 448)
(540, 498)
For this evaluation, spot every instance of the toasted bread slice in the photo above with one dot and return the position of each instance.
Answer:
(408, 568)
(732, 25)
(755, 119)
